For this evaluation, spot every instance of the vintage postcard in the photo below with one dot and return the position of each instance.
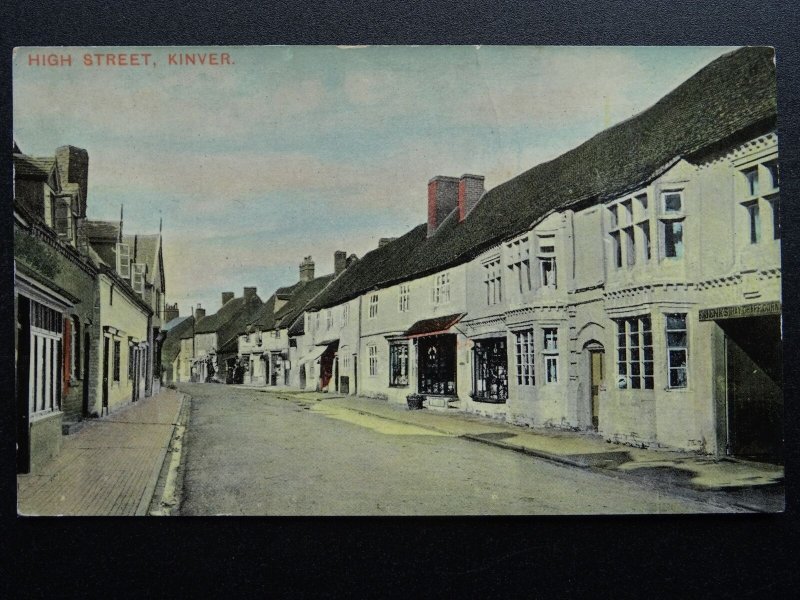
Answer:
(438, 280)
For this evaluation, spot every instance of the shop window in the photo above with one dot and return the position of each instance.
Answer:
(398, 364)
(550, 354)
(437, 364)
(373, 306)
(404, 293)
(635, 353)
(493, 282)
(525, 357)
(490, 371)
(372, 355)
(46, 359)
(677, 355)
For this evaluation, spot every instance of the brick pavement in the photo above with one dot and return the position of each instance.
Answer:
(109, 467)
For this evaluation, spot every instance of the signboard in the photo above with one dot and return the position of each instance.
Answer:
(737, 312)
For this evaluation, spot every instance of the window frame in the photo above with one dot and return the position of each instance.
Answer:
(546, 255)
(441, 289)
(493, 281)
(525, 357)
(372, 358)
(635, 356)
(550, 354)
(373, 305)
(403, 297)
(670, 348)
(399, 361)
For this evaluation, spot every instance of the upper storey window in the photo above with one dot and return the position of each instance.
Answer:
(672, 224)
(493, 282)
(759, 187)
(519, 264)
(547, 261)
(441, 289)
(373, 306)
(630, 231)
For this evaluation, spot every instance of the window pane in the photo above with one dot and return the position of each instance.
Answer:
(677, 358)
(676, 321)
(673, 239)
(677, 378)
(672, 202)
(676, 339)
(751, 175)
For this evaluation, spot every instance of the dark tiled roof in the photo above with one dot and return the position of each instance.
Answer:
(287, 291)
(101, 230)
(305, 292)
(228, 311)
(264, 318)
(733, 95)
(172, 343)
(174, 322)
(33, 167)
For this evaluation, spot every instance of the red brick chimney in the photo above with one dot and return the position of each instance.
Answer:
(470, 190)
(442, 200)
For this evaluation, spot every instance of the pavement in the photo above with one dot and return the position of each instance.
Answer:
(750, 485)
(110, 467)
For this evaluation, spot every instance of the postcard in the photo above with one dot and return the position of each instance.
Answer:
(397, 280)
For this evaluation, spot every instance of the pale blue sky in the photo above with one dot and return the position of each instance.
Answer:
(304, 150)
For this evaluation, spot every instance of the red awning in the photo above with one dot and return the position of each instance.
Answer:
(435, 326)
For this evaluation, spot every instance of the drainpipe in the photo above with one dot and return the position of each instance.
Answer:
(359, 372)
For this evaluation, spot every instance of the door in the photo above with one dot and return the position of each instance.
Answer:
(105, 373)
(596, 367)
(754, 381)
(134, 374)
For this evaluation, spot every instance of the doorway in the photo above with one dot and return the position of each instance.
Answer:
(594, 354)
(754, 380)
(105, 375)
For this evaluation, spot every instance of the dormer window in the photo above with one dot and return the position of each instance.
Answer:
(124, 260)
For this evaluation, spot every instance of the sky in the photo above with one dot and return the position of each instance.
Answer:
(294, 151)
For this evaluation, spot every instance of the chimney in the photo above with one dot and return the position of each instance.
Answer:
(470, 190)
(226, 296)
(73, 167)
(249, 292)
(383, 241)
(307, 269)
(171, 312)
(442, 200)
(339, 262)
(199, 313)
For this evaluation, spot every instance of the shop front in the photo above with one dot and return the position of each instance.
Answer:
(436, 350)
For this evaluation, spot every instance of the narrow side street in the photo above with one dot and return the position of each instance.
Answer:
(251, 452)
(109, 468)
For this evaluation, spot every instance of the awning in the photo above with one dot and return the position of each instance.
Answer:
(328, 342)
(435, 326)
(314, 355)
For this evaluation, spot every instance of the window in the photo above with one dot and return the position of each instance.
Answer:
(677, 350)
(547, 261)
(137, 280)
(316, 321)
(46, 359)
(398, 364)
(550, 353)
(329, 319)
(525, 357)
(131, 359)
(673, 202)
(124, 260)
(345, 314)
(760, 188)
(492, 272)
(635, 353)
(490, 371)
(630, 230)
(441, 289)
(372, 354)
(673, 238)
(373, 306)
(404, 293)
(519, 264)
(63, 218)
(117, 354)
(75, 349)
(754, 221)
(751, 179)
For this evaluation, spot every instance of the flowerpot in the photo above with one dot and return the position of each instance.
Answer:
(414, 401)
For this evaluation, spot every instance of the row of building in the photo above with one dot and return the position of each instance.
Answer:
(88, 306)
(630, 287)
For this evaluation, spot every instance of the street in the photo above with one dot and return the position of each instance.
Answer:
(251, 452)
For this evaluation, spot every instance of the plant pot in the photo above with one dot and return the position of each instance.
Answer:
(414, 401)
